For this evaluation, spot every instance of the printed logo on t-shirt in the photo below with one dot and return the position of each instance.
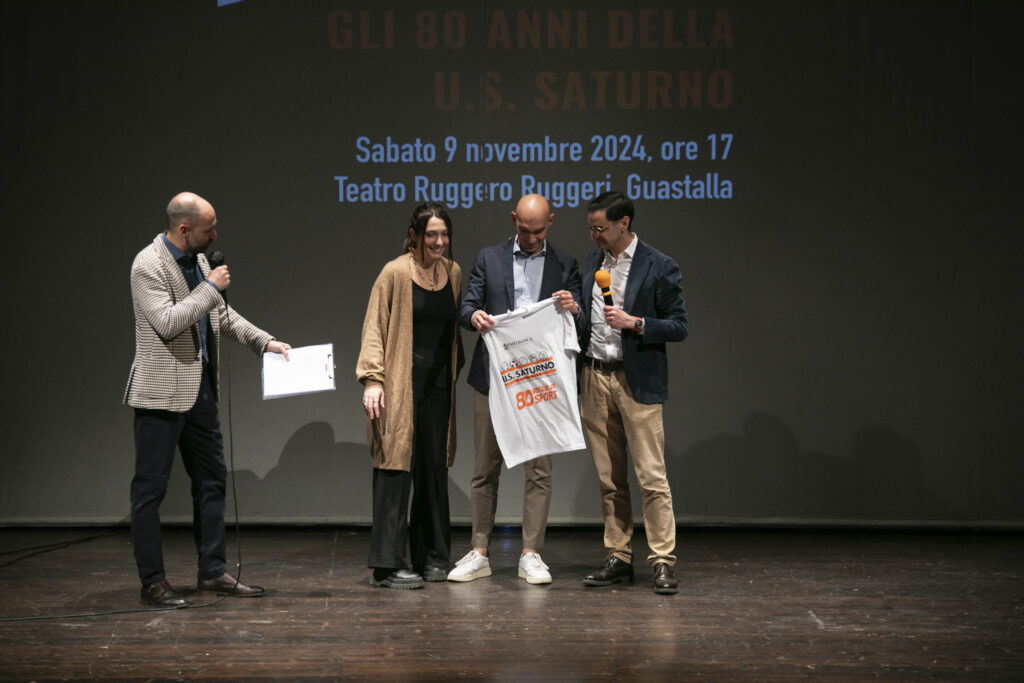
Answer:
(509, 344)
(527, 367)
(536, 395)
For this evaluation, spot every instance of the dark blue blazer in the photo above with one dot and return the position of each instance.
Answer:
(653, 292)
(491, 288)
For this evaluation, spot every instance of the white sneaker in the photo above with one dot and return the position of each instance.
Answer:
(472, 566)
(533, 569)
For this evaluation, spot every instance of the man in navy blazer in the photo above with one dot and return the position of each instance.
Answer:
(521, 270)
(624, 383)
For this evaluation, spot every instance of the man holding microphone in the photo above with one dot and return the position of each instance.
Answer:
(180, 313)
(624, 383)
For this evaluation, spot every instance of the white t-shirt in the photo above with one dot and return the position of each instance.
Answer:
(532, 392)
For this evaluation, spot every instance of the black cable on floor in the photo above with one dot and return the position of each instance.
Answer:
(39, 550)
(121, 611)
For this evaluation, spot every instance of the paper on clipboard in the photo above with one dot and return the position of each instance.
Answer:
(307, 370)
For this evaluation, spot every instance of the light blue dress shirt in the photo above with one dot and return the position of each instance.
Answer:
(527, 272)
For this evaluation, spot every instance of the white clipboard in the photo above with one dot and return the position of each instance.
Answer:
(308, 369)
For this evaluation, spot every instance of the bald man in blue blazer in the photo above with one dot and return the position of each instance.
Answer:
(521, 270)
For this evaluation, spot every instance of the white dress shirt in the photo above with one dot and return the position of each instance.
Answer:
(606, 342)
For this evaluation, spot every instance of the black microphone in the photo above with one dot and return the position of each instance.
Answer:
(216, 260)
(604, 280)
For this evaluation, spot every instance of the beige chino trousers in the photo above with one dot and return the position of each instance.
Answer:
(484, 485)
(613, 419)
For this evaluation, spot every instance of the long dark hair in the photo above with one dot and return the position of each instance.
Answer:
(421, 215)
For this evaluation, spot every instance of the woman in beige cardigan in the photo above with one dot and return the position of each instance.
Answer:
(411, 354)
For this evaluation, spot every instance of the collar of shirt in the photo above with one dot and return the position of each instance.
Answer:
(519, 252)
(184, 260)
(527, 273)
(610, 261)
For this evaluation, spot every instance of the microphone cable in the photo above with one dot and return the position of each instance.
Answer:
(215, 260)
(32, 551)
(231, 452)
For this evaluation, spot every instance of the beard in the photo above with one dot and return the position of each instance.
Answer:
(194, 247)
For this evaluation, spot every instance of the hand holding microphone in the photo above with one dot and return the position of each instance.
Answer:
(614, 317)
(219, 274)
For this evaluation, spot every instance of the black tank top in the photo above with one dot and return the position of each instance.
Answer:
(433, 328)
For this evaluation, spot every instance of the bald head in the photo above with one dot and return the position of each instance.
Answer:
(533, 206)
(191, 222)
(184, 209)
(532, 219)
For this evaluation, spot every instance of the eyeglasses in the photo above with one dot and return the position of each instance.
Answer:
(598, 229)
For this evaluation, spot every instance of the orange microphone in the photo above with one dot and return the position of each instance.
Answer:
(604, 280)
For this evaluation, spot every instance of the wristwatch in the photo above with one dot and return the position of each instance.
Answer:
(638, 326)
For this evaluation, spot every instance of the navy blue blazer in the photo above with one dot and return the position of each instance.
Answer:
(492, 288)
(653, 292)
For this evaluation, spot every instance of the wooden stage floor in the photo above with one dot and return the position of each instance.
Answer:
(753, 605)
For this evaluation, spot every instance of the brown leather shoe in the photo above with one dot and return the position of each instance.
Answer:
(665, 579)
(229, 585)
(161, 595)
(613, 570)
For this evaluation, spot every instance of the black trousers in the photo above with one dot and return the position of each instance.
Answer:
(426, 529)
(197, 434)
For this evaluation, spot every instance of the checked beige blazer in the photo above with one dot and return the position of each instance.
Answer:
(168, 365)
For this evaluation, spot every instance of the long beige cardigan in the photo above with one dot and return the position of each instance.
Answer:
(386, 359)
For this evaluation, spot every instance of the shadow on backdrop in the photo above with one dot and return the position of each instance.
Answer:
(316, 480)
(764, 472)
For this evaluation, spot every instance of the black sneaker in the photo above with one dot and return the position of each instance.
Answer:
(396, 578)
(434, 574)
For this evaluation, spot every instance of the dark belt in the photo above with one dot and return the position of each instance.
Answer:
(603, 365)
